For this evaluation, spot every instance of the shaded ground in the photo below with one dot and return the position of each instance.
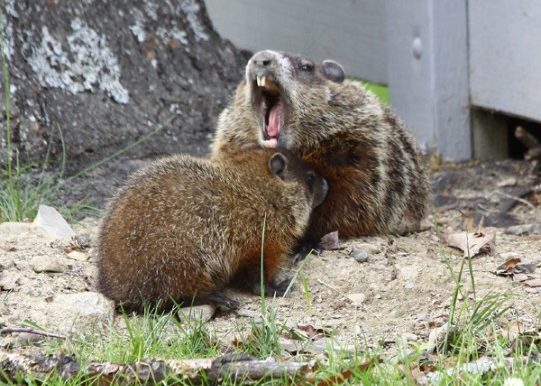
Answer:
(401, 291)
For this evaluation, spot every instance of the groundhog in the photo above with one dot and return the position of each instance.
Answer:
(184, 228)
(376, 181)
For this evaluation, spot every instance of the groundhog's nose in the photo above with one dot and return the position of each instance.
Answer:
(262, 59)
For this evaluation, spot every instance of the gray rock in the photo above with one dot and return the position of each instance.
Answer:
(44, 263)
(357, 298)
(53, 223)
(72, 311)
(360, 255)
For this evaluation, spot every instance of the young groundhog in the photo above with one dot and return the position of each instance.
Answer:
(376, 181)
(184, 228)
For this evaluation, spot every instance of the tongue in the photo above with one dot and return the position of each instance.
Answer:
(273, 128)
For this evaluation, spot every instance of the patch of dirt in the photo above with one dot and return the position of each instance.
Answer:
(373, 290)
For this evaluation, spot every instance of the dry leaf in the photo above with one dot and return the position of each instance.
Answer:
(512, 267)
(507, 268)
(313, 333)
(520, 277)
(482, 241)
(341, 378)
(533, 283)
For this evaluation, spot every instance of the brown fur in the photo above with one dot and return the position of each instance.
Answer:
(376, 181)
(185, 227)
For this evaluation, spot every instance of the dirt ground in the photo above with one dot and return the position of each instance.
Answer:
(372, 290)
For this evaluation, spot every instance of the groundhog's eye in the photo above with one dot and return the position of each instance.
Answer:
(306, 66)
(310, 178)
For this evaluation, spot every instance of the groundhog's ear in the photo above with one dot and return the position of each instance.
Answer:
(278, 165)
(333, 71)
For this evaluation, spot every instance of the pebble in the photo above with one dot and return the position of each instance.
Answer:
(79, 256)
(359, 255)
(202, 313)
(357, 298)
(46, 263)
(371, 249)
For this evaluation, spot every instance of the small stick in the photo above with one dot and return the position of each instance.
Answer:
(525, 202)
(154, 371)
(329, 286)
(8, 330)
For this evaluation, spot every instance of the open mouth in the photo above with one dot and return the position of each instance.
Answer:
(270, 108)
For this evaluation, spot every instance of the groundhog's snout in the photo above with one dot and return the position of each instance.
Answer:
(262, 60)
(261, 68)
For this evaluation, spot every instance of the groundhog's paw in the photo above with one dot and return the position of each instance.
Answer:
(272, 289)
(305, 248)
(278, 288)
(222, 301)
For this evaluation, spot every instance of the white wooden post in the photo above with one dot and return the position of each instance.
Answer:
(351, 32)
(427, 56)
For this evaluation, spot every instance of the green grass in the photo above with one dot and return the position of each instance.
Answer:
(162, 336)
(471, 334)
(381, 91)
(24, 187)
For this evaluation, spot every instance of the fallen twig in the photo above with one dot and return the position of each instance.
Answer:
(330, 286)
(9, 330)
(153, 371)
(525, 202)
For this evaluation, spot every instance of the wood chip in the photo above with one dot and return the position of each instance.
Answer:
(331, 241)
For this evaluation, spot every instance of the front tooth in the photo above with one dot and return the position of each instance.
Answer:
(263, 81)
(258, 80)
